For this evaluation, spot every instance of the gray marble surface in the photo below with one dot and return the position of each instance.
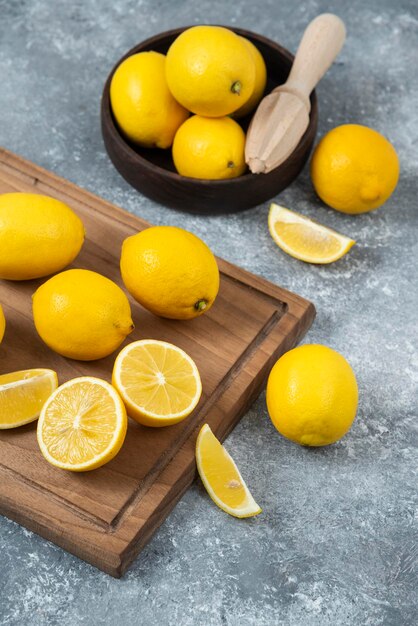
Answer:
(336, 543)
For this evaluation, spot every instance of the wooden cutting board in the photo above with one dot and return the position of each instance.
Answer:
(106, 516)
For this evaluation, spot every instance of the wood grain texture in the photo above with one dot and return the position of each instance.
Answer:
(153, 173)
(106, 516)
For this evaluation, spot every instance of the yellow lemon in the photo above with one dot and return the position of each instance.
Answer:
(2, 324)
(39, 235)
(354, 169)
(23, 394)
(221, 476)
(141, 102)
(81, 314)
(82, 425)
(211, 148)
(170, 271)
(210, 70)
(312, 395)
(158, 382)
(259, 84)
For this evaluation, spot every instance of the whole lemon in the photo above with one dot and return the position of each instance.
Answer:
(39, 235)
(354, 169)
(170, 271)
(211, 148)
(141, 102)
(81, 314)
(260, 81)
(312, 395)
(2, 324)
(210, 70)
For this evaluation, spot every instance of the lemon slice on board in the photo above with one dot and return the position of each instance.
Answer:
(2, 324)
(305, 239)
(221, 477)
(159, 383)
(82, 425)
(23, 394)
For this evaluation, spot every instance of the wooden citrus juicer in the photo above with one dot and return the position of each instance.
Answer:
(283, 116)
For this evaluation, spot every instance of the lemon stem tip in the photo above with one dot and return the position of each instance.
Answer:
(236, 87)
(200, 305)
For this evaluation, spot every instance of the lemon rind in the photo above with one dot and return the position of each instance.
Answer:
(250, 509)
(292, 217)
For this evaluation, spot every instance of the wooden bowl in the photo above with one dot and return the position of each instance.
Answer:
(152, 172)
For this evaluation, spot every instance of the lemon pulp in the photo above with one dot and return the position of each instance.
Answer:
(83, 424)
(159, 382)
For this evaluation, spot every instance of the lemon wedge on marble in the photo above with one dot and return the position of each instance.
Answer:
(221, 477)
(305, 239)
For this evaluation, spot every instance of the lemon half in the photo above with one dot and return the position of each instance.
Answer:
(83, 425)
(159, 383)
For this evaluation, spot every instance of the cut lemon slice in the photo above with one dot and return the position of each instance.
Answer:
(23, 394)
(305, 239)
(2, 324)
(82, 425)
(221, 477)
(159, 383)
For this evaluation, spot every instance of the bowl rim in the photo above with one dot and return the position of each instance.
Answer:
(108, 118)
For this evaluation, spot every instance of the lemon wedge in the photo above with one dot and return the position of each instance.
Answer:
(23, 394)
(221, 477)
(305, 239)
(159, 383)
(82, 425)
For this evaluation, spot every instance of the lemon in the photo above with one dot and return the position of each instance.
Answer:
(210, 70)
(141, 102)
(259, 84)
(221, 477)
(305, 239)
(312, 395)
(158, 382)
(39, 235)
(82, 425)
(23, 394)
(211, 148)
(354, 169)
(170, 271)
(81, 314)
(2, 324)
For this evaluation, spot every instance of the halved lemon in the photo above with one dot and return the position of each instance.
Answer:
(221, 477)
(159, 383)
(23, 394)
(305, 239)
(82, 425)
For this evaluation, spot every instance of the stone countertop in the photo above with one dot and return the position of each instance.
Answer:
(336, 543)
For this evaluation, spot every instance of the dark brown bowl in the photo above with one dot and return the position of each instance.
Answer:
(152, 172)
